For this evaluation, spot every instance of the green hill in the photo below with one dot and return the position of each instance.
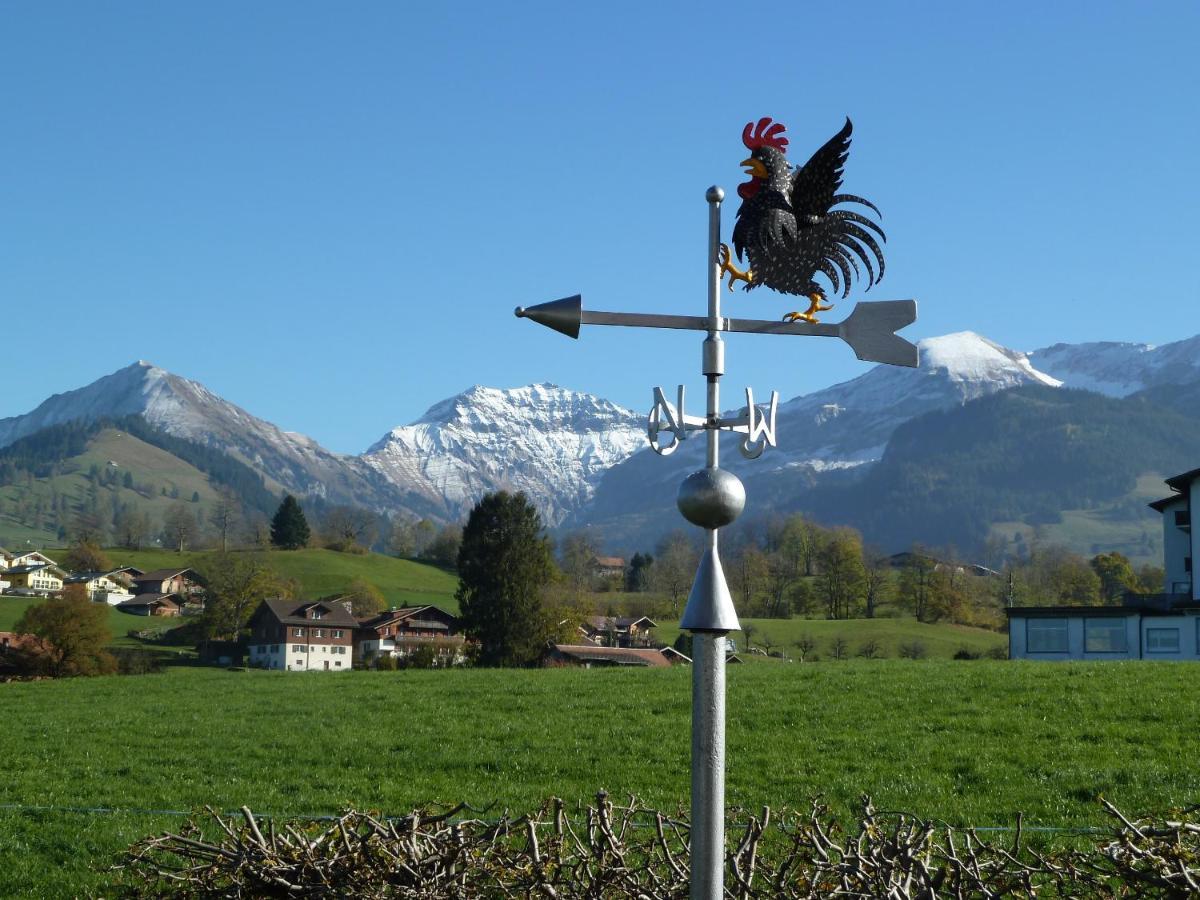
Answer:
(324, 572)
(114, 470)
(1076, 462)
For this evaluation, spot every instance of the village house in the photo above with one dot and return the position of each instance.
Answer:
(27, 558)
(111, 587)
(302, 635)
(612, 631)
(151, 605)
(1154, 626)
(34, 579)
(608, 567)
(590, 656)
(178, 582)
(399, 632)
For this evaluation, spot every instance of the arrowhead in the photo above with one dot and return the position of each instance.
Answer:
(564, 316)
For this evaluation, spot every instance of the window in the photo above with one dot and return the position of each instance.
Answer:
(337, 632)
(316, 614)
(297, 648)
(319, 632)
(298, 632)
(1162, 640)
(1046, 635)
(1104, 636)
(274, 648)
(338, 663)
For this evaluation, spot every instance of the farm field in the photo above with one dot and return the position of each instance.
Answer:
(323, 572)
(967, 742)
(941, 641)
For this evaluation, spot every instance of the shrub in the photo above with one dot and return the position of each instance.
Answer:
(131, 661)
(871, 649)
(913, 650)
(967, 653)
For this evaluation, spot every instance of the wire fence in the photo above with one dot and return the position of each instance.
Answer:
(477, 816)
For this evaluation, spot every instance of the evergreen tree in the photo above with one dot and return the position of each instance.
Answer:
(503, 565)
(289, 528)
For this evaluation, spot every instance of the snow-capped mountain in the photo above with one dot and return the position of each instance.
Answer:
(1119, 369)
(550, 442)
(187, 409)
(826, 432)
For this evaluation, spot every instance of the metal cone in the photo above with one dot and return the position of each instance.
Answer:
(564, 316)
(709, 605)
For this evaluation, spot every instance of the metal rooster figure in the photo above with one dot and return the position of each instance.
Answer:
(787, 225)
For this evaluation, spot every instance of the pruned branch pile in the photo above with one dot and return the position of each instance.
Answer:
(628, 850)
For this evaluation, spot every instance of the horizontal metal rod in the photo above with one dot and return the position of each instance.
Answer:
(700, 323)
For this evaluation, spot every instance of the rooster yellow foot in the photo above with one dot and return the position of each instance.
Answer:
(809, 315)
(735, 274)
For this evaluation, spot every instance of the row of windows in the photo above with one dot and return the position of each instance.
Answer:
(1106, 635)
(318, 632)
(325, 648)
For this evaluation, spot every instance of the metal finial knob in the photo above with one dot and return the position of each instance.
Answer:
(714, 194)
(711, 498)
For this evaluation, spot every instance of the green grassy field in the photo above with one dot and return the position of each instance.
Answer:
(941, 641)
(323, 572)
(12, 608)
(968, 742)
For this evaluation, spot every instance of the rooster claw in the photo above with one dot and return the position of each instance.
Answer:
(725, 264)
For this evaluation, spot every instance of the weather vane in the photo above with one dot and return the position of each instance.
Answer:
(788, 229)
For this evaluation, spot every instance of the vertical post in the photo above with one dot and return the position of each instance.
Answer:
(708, 647)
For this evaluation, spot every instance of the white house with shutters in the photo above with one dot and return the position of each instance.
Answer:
(1152, 626)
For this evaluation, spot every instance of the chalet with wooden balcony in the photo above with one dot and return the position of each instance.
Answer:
(399, 632)
(302, 636)
(181, 583)
(613, 631)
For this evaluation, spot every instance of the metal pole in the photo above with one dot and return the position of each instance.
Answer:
(708, 647)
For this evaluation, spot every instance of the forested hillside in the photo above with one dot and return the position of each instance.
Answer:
(1025, 455)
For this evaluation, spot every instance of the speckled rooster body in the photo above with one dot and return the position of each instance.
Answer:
(787, 226)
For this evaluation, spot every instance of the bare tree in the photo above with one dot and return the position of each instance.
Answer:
(674, 566)
(224, 515)
(348, 528)
(805, 644)
(179, 526)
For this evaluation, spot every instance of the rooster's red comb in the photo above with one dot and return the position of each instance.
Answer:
(765, 134)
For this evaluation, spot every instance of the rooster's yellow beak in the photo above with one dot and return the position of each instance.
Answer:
(754, 167)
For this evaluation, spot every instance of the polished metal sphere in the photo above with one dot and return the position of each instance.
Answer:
(711, 498)
(714, 194)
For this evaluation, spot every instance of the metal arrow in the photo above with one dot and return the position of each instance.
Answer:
(870, 329)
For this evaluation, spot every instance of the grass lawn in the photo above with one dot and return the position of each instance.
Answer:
(941, 641)
(12, 608)
(323, 572)
(968, 742)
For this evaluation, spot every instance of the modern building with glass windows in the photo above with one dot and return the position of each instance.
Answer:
(1147, 626)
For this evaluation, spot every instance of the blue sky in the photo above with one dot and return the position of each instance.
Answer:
(327, 212)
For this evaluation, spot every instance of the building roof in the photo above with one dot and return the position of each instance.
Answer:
(613, 656)
(149, 600)
(78, 577)
(608, 623)
(610, 562)
(1148, 604)
(160, 574)
(1162, 504)
(1180, 482)
(36, 567)
(294, 612)
(407, 613)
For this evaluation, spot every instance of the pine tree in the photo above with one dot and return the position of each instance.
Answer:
(289, 528)
(503, 565)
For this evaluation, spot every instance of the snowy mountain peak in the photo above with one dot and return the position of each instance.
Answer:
(967, 356)
(550, 442)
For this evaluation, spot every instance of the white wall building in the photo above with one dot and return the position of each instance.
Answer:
(1155, 626)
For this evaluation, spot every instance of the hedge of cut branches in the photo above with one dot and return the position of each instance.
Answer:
(629, 850)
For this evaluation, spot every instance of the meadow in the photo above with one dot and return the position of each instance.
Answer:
(964, 741)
